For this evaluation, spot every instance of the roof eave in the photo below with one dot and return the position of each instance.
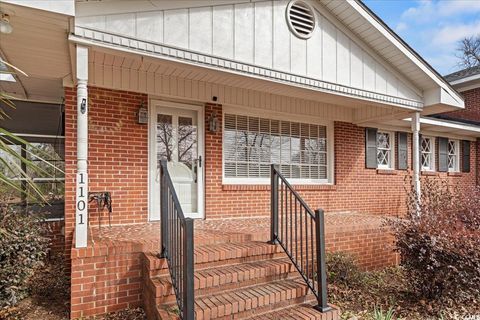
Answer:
(449, 97)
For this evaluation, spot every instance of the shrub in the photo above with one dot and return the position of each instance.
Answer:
(23, 248)
(342, 269)
(439, 240)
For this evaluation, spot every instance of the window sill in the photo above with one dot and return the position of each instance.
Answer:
(454, 174)
(429, 173)
(266, 187)
(386, 171)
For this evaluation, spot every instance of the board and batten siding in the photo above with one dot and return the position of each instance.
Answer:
(257, 33)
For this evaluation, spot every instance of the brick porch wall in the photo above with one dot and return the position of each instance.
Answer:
(117, 156)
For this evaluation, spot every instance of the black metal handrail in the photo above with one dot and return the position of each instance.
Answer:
(176, 246)
(301, 235)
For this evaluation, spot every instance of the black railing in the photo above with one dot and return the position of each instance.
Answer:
(301, 234)
(176, 245)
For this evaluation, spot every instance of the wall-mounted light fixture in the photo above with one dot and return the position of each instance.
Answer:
(213, 122)
(5, 26)
(83, 106)
(142, 114)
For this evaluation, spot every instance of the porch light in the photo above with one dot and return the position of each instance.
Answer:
(213, 122)
(5, 26)
(142, 114)
(83, 106)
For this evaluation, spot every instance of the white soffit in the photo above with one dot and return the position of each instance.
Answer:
(38, 46)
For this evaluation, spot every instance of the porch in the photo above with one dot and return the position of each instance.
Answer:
(345, 231)
(119, 267)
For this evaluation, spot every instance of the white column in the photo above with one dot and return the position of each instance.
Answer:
(81, 214)
(416, 153)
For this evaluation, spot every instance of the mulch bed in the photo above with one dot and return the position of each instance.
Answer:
(389, 289)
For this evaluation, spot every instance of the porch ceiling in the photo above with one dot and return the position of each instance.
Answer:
(38, 46)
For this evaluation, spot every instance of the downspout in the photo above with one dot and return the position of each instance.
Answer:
(81, 211)
(416, 156)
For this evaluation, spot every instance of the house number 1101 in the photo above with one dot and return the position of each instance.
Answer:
(81, 204)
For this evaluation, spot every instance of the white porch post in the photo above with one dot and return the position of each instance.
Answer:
(416, 153)
(81, 204)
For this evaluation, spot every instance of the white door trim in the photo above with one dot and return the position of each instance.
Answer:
(154, 104)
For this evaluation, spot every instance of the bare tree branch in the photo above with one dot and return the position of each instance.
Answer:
(468, 52)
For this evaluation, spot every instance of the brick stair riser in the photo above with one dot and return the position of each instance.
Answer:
(167, 297)
(157, 267)
(212, 280)
(251, 258)
(265, 308)
(253, 305)
(238, 238)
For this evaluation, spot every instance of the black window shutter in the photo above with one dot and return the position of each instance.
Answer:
(465, 156)
(442, 154)
(402, 150)
(371, 148)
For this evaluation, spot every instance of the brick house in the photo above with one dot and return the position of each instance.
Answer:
(222, 90)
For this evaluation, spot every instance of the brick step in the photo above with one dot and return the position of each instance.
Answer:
(248, 301)
(217, 255)
(209, 237)
(228, 253)
(214, 279)
(300, 311)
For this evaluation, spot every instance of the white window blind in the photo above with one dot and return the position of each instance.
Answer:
(252, 144)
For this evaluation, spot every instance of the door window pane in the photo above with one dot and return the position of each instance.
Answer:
(164, 137)
(187, 141)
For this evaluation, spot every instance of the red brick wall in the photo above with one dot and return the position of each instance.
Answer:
(472, 107)
(118, 163)
(356, 188)
(104, 280)
(117, 156)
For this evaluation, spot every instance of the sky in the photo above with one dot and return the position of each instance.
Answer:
(431, 27)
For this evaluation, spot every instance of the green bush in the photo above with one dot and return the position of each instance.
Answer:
(439, 241)
(342, 269)
(378, 314)
(23, 248)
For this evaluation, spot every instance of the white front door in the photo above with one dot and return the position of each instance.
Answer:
(177, 132)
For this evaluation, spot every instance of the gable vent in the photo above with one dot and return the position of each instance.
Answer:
(301, 19)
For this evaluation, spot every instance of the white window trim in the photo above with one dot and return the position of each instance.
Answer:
(457, 155)
(434, 155)
(391, 165)
(268, 114)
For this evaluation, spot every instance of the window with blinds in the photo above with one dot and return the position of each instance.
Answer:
(252, 144)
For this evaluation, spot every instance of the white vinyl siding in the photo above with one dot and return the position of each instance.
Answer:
(251, 144)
